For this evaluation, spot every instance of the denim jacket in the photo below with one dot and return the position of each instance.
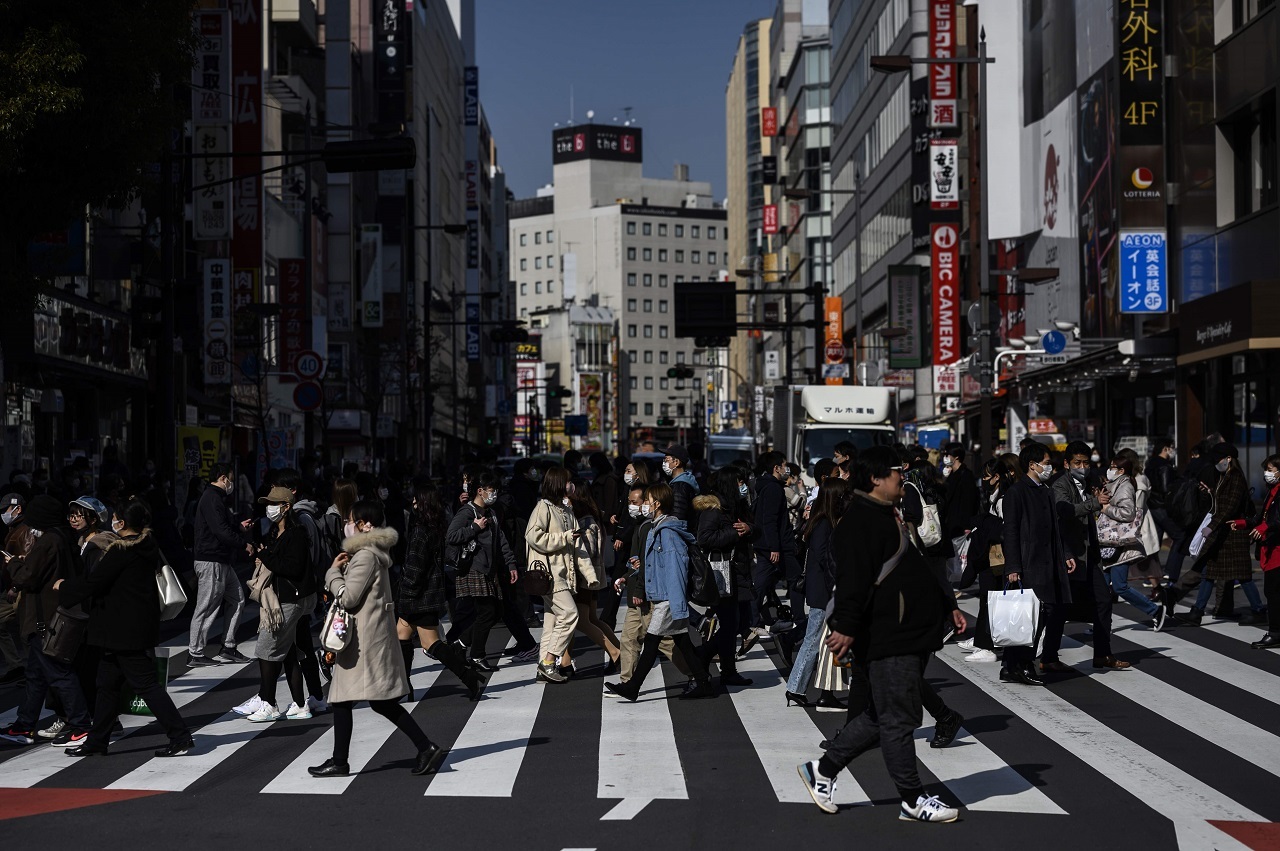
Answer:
(666, 564)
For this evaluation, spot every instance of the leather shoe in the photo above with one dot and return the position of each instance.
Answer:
(1266, 642)
(623, 691)
(482, 664)
(733, 678)
(1113, 663)
(699, 691)
(429, 760)
(329, 768)
(797, 699)
(1024, 676)
(1054, 667)
(85, 750)
(1252, 618)
(945, 730)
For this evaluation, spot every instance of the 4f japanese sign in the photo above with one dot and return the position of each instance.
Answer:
(944, 78)
(944, 183)
(1144, 284)
(1140, 50)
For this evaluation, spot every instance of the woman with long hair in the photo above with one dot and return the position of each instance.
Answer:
(420, 597)
(594, 558)
(552, 537)
(725, 528)
(369, 667)
(819, 582)
(998, 475)
(287, 555)
(483, 559)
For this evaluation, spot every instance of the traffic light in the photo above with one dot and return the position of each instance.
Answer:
(559, 391)
(711, 342)
(509, 332)
(665, 422)
(680, 372)
(369, 155)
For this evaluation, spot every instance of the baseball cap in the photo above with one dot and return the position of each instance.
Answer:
(679, 453)
(11, 499)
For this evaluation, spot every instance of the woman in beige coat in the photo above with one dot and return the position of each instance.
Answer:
(370, 667)
(552, 535)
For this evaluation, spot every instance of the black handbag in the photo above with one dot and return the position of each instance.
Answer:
(64, 634)
(537, 580)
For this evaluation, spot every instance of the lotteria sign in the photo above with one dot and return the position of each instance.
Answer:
(944, 241)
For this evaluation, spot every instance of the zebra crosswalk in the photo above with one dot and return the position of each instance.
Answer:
(1151, 738)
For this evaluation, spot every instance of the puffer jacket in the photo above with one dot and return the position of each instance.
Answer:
(666, 564)
(716, 534)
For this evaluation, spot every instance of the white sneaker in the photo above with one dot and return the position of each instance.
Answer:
(821, 789)
(298, 713)
(317, 705)
(264, 713)
(250, 706)
(966, 645)
(53, 730)
(928, 809)
(980, 655)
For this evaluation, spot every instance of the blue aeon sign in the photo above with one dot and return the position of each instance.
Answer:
(1144, 280)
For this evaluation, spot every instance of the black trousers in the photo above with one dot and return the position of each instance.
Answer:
(1271, 587)
(1053, 617)
(389, 709)
(860, 696)
(488, 611)
(649, 655)
(733, 618)
(138, 669)
(306, 649)
(515, 607)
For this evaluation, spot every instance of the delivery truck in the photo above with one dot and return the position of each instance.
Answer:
(809, 420)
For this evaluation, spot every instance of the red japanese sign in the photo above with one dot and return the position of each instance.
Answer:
(770, 218)
(944, 80)
(944, 241)
(769, 121)
(295, 315)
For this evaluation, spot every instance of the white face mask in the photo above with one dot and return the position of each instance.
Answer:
(117, 526)
(1112, 474)
(946, 461)
(274, 512)
(383, 493)
(1270, 477)
(1045, 473)
(629, 478)
(10, 516)
(1095, 458)
(349, 529)
(1222, 465)
(633, 510)
(946, 471)
(666, 468)
(646, 510)
(742, 490)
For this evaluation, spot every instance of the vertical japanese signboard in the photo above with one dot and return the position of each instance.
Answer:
(1140, 113)
(770, 218)
(371, 276)
(295, 315)
(906, 351)
(944, 78)
(944, 174)
(211, 110)
(834, 354)
(769, 121)
(945, 269)
(217, 322)
(245, 108)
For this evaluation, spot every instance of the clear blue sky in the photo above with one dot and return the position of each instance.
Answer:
(667, 59)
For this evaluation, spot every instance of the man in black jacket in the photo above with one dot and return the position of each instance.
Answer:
(888, 613)
(960, 497)
(1162, 471)
(217, 540)
(1035, 555)
(684, 487)
(775, 547)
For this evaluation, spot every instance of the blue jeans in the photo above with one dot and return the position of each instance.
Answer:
(1120, 584)
(1250, 592)
(807, 655)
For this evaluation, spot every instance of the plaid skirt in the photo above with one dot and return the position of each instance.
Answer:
(476, 584)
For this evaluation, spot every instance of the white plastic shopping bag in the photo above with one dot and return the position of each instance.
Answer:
(1199, 539)
(1014, 614)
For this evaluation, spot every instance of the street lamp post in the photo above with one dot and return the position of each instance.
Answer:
(896, 64)
(429, 399)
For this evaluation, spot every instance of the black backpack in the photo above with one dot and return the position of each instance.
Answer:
(701, 587)
(1183, 503)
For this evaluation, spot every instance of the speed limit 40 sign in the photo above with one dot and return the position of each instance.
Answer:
(308, 365)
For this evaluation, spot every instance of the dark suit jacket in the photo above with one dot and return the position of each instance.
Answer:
(1078, 516)
(1033, 545)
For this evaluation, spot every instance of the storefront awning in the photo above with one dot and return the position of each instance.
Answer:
(1239, 319)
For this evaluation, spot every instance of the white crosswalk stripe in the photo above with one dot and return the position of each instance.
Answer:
(980, 778)
(639, 762)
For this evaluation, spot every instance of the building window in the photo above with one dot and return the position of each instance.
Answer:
(524, 239)
(662, 331)
(549, 234)
(662, 230)
(1252, 136)
(524, 264)
(537, 287)
(631, 253)
(679, 357)
(679, 230)
(648, 382)
(631, 355)
(679, 279)
(648, 357)
(648, 409)
(550, 285)
(631, 330)
(537, 262)
(648, 331)
(662, 305)
(665, 407)
(695, 256)
(711, 232)
(648, 305)
(631, 228)
(679, 256)
(550, 261)
(631, 279)
(694, 231)
(648, 254)
(633, 382)
(696, 278)
(524, 288)
(648, 279)
(631, 305)
(662, 356)
(634, 409)
(711, 257)
(664, 383)
(537, 238)
(647, 230)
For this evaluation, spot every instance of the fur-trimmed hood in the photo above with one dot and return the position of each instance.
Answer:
(126, 543)
(706, 501)
(382, 538)
(102, 539)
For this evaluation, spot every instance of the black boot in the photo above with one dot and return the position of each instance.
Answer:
(406, 652)
(453, 658)
(1193, 617)
(1271, 639)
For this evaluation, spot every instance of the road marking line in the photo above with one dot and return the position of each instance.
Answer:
(626, 809)
(639, 761)
(979, 778)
